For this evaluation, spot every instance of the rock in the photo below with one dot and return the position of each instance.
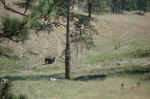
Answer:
(53, 79)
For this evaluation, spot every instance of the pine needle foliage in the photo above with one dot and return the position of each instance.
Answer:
(14, 29)
(42, 14)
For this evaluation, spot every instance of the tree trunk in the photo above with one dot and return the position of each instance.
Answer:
(27, 5)
(90, 8)
(73, 4)
(67, 50)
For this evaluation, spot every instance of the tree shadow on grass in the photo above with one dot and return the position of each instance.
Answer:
(130, 71)
(102, 77)
(34, 77)
(137, 70)
(91, 77)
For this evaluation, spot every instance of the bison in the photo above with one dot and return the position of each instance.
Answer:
(49, 60)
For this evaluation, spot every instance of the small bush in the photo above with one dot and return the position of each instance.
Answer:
(5, 51)
(6, 92)
(15, 29)
(22, 97)
(142, 52)
(41, 14)
(8, 53)
(146, 77)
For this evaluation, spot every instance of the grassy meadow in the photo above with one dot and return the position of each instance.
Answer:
(117, 67)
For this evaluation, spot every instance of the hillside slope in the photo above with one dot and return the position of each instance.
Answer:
(117, 34)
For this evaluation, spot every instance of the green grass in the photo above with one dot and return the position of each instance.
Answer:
(95, 89)
(116, 55)
(96, 57)
(48, 68)
(35, 83)
(127, 70)
(100, 57)
(13, 64)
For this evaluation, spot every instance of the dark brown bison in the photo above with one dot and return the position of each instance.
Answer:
(49, 60)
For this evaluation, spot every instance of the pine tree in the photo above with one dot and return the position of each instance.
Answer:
(67, 50)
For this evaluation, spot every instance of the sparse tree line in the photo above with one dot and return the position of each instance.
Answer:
(114, 6)
(44, 14)
(91, 6)
(101, 6)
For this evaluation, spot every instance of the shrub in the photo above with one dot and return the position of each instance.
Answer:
(22, 97)
(14, 29)
(142, 52)
(6, 92)
(41, 14)
(8, 53)
(5, 51)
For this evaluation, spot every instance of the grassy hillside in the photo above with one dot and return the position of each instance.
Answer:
(117, 67)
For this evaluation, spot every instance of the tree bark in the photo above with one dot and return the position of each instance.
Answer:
(67, 50)
(27, 5)
(90, 8)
